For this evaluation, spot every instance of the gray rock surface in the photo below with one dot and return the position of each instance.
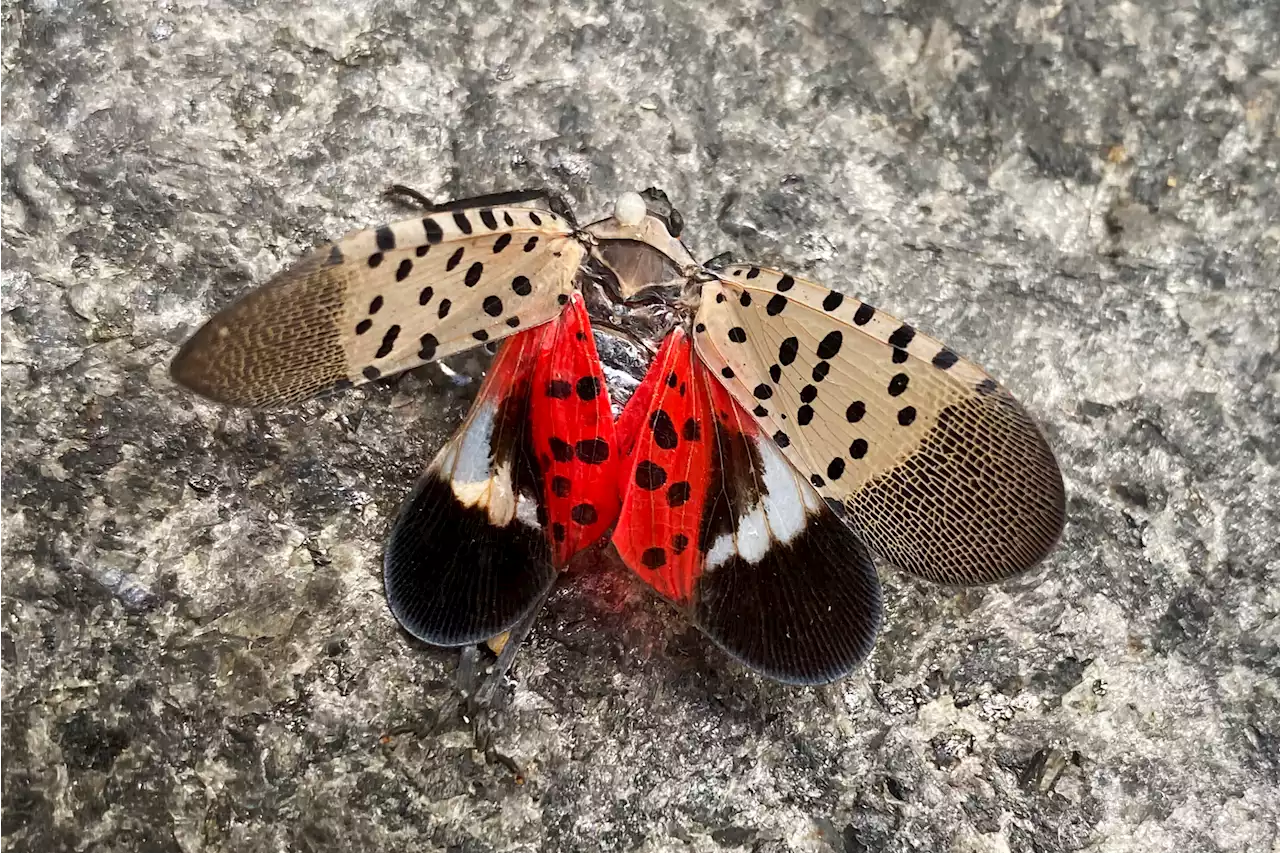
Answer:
(1081, 196)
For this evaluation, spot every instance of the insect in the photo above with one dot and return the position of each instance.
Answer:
(782, 434)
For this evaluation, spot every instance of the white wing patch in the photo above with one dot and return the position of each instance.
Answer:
(783, 509)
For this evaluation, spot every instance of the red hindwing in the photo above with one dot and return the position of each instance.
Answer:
(667, 473)
(529, 479)
(573, 433)
(717, 520)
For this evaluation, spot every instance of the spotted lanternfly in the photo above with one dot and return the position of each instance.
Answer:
(782, 433)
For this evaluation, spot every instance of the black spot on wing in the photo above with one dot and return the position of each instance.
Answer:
(788, 350)
(388, 342)
(902, 336)
(592, 451)
(654, 558)
(650, 475)
(664, 431)
(945, 359)
(830, 345)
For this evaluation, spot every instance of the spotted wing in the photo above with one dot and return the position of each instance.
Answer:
(716, 520)
(480, 540)
(573, 431)
(939, 468)
(382, 301)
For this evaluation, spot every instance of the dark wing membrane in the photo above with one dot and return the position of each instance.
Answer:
(715, 519)
(467, 557)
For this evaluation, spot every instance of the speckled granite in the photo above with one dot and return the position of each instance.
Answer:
(1082, 196)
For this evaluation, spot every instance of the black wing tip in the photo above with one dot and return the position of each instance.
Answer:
(806, 614)
(452, 578)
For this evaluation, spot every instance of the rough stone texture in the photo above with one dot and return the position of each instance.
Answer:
(1082, 196)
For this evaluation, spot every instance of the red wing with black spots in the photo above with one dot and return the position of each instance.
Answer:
(501, 507)
(716, 520)
(940, 470)
(573, 431)
(384, 300)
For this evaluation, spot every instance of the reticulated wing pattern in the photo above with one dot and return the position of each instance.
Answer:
(716, 520)
(382, 301)
(940, 470)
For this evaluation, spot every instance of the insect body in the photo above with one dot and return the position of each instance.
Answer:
(783, 431)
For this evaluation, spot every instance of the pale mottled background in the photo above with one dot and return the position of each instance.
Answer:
(1082, 196)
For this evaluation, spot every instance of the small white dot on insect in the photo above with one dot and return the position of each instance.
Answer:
(629, 209)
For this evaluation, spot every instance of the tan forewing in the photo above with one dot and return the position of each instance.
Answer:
(939, 469)
(382, 301)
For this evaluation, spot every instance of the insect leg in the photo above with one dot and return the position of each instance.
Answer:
(487, 691)
(554, 201)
